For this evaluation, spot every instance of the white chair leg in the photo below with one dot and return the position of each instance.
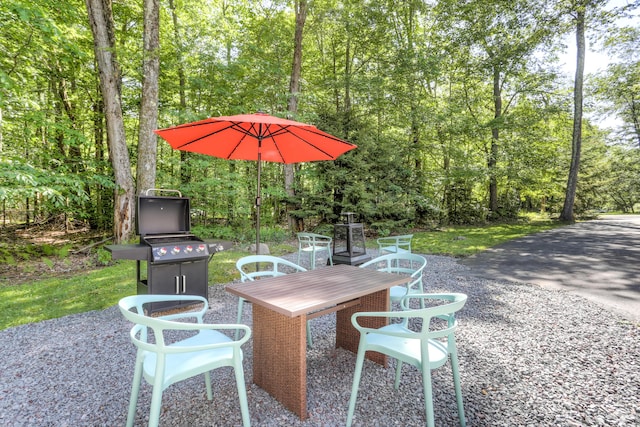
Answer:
(398, 374)
(207, 382)
(242, 394)
(135, 389)
(356, 384)
(156, 405)
(309, 337)
(458, 388)
(428, 395)
(239, 320)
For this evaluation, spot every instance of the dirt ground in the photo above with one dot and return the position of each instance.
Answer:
(23, 257)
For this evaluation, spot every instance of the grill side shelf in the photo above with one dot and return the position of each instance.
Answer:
(138, 252)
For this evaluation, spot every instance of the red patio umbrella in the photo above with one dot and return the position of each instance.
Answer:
(258, 137)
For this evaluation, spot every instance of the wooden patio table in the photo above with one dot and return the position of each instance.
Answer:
(281, 307)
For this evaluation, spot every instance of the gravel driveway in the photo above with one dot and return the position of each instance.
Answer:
(529, 356)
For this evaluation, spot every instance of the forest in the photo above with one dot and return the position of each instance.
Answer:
(462, 111)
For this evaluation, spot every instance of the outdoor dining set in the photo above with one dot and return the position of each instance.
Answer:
(381, 309)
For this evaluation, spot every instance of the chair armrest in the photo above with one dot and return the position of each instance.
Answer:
(218, 339)
(388, 314)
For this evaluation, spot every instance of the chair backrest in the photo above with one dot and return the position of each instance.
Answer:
(424, 327)
(400, 263)
(133, 309)
(255, 266)
(313, 239)
(394, 244)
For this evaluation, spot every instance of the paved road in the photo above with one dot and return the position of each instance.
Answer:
(599, 260)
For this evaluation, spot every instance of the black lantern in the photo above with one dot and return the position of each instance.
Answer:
(348, 242)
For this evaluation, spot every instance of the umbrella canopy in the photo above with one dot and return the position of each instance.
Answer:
(259, 137)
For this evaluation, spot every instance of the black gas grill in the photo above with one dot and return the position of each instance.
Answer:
(176, 260)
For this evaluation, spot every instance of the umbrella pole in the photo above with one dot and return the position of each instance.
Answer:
(258, 197)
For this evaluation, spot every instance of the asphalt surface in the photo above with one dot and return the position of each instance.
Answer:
(598, 259)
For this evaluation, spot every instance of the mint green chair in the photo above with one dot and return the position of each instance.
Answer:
(406, 263)
(312, 243)
(395, 244)
(164, 361)
(254, 267)
(427, 348)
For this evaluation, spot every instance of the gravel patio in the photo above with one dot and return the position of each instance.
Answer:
(528, 357)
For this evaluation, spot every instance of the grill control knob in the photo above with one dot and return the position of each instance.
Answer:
(201, 248)
(175, 250)
(162, 251)
(188, 249)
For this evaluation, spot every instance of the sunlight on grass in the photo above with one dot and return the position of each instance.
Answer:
(466, 240)
(56, 297)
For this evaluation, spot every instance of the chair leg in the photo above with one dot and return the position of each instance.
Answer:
(156, 395)
(207, 382)
(330, 257)
(398, 373)
(242, 393)
(356, 382)
(239, 319)
(309, 337)
(458, 388)
(156, 404)
(428, 395)
(313, 259)
(135, 389)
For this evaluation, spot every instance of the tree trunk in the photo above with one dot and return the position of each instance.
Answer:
(182, 82)
(101, 20)
(572, 182)
(147, 140)
(294, 89)
(495, 138)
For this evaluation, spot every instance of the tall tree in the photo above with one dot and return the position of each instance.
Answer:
(581, 11)
(500, 41)
(147, 140)
(102, 27)
(292, 107)
(576, 139)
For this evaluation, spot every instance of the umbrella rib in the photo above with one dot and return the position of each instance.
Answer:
(186, 144)
(285, 129)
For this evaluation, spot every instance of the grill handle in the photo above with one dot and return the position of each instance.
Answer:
(184, 284)
(146, 192)
(177, 285)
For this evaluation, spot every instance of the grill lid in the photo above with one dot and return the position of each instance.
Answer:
(162, 214)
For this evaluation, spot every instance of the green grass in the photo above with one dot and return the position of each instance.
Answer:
(54, 297)
(100, 288)
(465, 241)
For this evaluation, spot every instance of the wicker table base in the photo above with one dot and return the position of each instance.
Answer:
(280, 342)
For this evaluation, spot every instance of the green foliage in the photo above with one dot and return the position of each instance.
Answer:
(411, 83)
(103, 256)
